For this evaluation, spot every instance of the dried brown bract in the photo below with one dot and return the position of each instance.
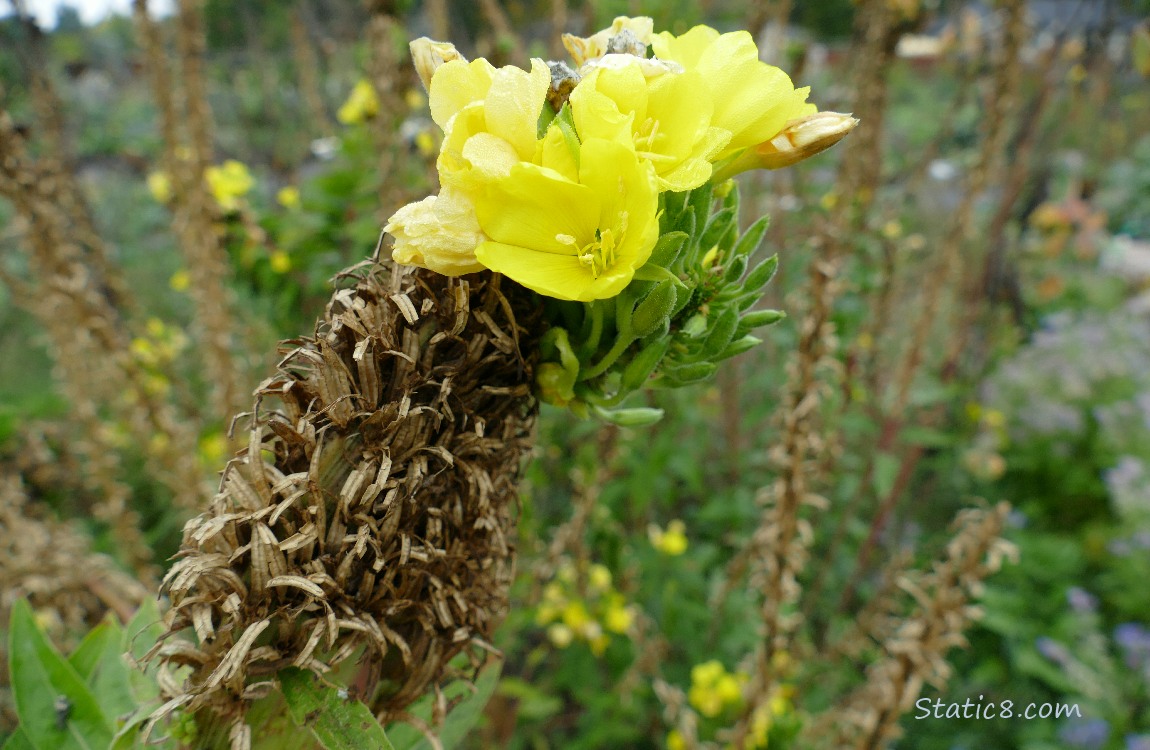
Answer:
(371, 516)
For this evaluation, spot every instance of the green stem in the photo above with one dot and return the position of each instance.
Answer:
(609, 358)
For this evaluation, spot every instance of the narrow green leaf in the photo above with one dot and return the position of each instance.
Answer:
(738, 346)
(761, 274)
(752, 238)
(18, 741)
(466, 713)
(716, 227)
(338, 723)
(667, 249)
(653, 310)
(40, 678)
(87, 655)
(140, 634)
(721, 333)
(885, 472)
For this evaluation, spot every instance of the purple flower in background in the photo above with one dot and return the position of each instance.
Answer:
(1134, 639)
(1081, 600)
(1138, 742)
(1087, 734)
(1052, 650)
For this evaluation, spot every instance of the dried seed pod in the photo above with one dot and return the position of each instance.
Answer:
(373, 511)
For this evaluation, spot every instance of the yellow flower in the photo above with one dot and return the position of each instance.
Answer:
(752, 100)
(288, 197)
(671, 542)
(213, 446)
(439, 232)
(425, 142)
(713, 688)
(180, 281)
(576, 617)
(618, 618)
(160, 186)
(414, 99)
(228, 183)
(560, 635)
(621, 102)
(489, 117)
(599, 577)
(675, 740)
(280, 261)
(574, 240)
(362, 104)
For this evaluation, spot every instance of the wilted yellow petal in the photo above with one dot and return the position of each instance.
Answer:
(440, 233)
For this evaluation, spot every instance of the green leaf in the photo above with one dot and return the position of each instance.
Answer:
(40, 677)
(466, 713)
(637, 371)
(738, 346)
(87, 655)
(667, 249)
(761, 274)
(140, 634)
(18, 741)
(99, 660)
(752, 238)
(716, 227)
(338, 723)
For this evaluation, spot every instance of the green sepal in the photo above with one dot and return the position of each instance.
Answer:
(565, 121)
(652, 272)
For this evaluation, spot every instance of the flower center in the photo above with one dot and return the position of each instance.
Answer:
(598, 255)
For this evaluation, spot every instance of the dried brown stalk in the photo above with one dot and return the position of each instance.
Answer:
(371, 517)
(867, 719)
(96, 369)
(778, 548)
(307, 67)
(194, 220)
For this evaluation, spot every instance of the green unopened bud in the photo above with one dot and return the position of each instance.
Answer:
(759, 318)
(761, 274)
(721, 332)
(653, 310)
(738, 346)
(637, 417)
(640, 368)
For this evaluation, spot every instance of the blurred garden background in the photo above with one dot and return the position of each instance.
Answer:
(967, 284)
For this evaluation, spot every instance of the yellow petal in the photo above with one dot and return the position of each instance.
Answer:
(439, 233)
(551, 274)
(513, 104)
(456, 84)
(536, 208)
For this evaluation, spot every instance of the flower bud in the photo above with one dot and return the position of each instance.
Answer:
(798, 140)
(428, 55)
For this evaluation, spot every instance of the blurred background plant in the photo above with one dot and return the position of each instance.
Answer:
(967, 283)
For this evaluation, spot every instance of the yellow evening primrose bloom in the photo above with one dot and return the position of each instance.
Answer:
(288, 197)
(572, 240)
(362, 104)
(439, 232)
(229, 182)
(180, 281)
(618, 618)
(489, 117)
(619, 100)
(280, 261)
(160, 186)
(752, 100)
(671, 542)
(675, 740)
